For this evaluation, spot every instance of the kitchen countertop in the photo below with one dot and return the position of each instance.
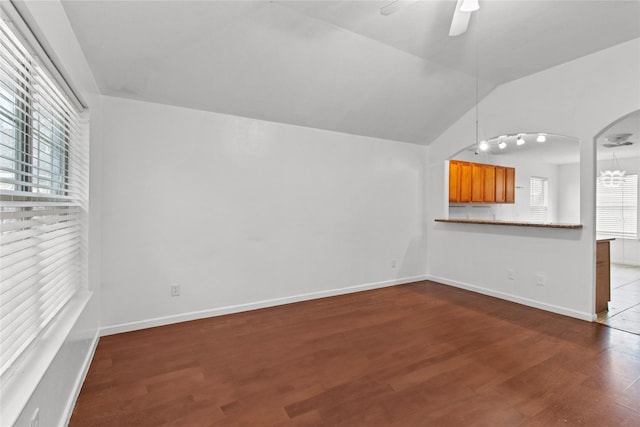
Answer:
(509, 223)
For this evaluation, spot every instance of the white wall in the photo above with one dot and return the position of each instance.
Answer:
(57, 389)
(569, 193)
(577, 99)
(244, 213)
(623, 251)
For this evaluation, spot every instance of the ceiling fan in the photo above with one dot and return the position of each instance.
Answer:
(618, 140)
(461, 14)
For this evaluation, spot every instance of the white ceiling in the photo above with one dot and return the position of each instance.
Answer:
(337, 65)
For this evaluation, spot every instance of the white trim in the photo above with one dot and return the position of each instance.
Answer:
(82, 375)
(631, 263)
(24, 381)
(589, 317)
(220, 311)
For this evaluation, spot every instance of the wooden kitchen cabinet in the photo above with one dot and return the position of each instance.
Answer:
(480, 183)
(603, 275)
(500, 181)
(465, 182)
(510, 185)
(489, 183)
(459, 182)
(454, 182)
(477, 183)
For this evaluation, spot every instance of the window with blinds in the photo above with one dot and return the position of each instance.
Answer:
(538, 199)
(617, 207)
(43, 200)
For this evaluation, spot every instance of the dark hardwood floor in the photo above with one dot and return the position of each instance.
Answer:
(422, 354)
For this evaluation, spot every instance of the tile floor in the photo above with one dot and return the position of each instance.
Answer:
(624, 307)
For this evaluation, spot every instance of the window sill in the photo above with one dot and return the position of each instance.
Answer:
(25, 379)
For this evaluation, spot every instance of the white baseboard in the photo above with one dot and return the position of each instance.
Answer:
(219, 311)
(626, 264)
(514, 298)
(73, 397)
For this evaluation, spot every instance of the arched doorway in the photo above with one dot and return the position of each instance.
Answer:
(617, 218)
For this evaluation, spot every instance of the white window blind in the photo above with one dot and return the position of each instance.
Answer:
(617, 208)
(43, 200)
(538, 199)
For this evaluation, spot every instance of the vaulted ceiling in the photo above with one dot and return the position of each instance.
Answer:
(337, 65)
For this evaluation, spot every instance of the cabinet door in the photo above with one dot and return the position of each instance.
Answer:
(477, 182)
(603, 276)
(465, 182)
(510, 185)
(489, 183)
(454, 181)
(500, 181)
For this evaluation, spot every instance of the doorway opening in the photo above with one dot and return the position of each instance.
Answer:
(617, 222)
(624, 307)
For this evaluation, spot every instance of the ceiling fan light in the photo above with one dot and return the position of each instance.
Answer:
(520, 140)
(541, 137)
(502, 145)
(484, 145)
(469, 6)
(611, 179)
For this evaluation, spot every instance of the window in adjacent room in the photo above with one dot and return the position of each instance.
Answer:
(617, 208)
(538, 199)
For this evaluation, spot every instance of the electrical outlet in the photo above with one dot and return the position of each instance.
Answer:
(393, 263)
(35, 418)
(511, 274)
(175, 290)
(541, 280)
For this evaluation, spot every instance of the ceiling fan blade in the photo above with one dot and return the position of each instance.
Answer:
(394, 6)
(460, 20)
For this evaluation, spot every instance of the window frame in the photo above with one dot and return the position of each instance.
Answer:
(43, 205)
(539, 212)
(622, 207)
